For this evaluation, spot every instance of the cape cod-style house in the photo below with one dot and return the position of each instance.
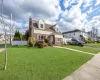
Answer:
(41, 31)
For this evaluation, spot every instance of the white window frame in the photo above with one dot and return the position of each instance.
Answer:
(42, 26)
(58, 39)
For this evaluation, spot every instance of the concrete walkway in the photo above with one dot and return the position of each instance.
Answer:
(1, 49)
(92, 47)
(88, 71)
(75, 50)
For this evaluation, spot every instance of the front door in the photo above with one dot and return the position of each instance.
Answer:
(52, 39)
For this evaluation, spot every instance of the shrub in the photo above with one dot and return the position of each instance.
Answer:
(47, 41)
(98, 41)
(40, 44)
(31, 41)
(16, 38)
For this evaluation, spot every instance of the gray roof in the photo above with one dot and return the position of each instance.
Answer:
(76, 30)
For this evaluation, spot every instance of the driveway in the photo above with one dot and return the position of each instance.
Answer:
(92, 47)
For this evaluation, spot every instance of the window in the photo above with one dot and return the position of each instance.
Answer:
(42, 37)
(74, 33)
(58, 39)
(41, 25)
(57, 29)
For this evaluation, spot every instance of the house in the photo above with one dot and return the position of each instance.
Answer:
(77, 34)
(2, 37)
(41, 31)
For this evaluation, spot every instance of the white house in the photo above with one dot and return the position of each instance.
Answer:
(75, 34)
(2, 37)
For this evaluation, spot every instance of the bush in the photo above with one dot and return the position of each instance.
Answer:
(98, 41)
(31, 42)
(40, 44)
(47, 41)
(16, 38)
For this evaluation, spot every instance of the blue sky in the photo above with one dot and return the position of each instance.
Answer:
(69, 14)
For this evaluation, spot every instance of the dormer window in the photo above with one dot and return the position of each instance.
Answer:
(57, 29)
(41, 25)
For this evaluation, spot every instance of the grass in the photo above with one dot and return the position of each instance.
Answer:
(86, 49)
(94, 45)
(40, 64)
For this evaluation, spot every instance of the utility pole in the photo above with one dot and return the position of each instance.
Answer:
(10, 28)
(3, 25)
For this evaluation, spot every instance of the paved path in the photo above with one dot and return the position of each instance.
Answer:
(1, 49)
(75, 50)
(88, 71)
(92, 47)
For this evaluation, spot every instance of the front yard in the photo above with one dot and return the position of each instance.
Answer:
(40, 64)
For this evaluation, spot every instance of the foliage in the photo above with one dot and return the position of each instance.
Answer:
(82, 38)
(21, 36)
(47, 41)
(31, 41)
(26, 36)
(98, 41)
(87, 41)
(18, 35)
(40, 44)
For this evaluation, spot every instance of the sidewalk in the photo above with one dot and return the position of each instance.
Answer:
(75, 50)
(89, 71)
(1, 49)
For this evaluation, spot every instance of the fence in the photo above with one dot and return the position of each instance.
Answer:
(19, 43)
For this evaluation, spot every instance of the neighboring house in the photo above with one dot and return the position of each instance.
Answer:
(75, 34)
(2, 37)
(41, 31)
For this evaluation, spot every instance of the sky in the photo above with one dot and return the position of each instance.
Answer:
(68, 14)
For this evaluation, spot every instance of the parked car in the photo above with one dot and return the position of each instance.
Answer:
(76, 42)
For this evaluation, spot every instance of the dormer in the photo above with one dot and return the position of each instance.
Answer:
(41, 24)
(56, 28)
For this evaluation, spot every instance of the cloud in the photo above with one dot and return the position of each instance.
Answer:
(69, 2)
(97, 2)
(73, 18)
(23, 9)
(49, 10)
(87, 3)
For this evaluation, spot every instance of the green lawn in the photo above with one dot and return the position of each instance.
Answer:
(94, 45)
(86, 49)
(40, 64)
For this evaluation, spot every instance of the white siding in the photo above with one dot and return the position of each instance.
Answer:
(76, 35)
(41, 22)
(42, 32)
(58, 36)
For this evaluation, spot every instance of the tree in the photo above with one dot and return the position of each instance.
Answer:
(21, 36)
(82, 38)
(17, 35)
(31, 41)
(26, 36)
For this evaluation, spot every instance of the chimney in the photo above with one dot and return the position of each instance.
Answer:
(30, 26)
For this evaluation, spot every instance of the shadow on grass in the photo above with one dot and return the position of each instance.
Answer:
(3, 45)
